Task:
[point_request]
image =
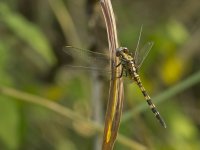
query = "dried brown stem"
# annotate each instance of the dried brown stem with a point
(115, 101)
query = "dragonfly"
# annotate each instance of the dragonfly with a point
(130, 63)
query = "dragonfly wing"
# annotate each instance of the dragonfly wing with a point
(141, 54)
(105, 70)
(83, 57)
(87, 68)
(88, 61)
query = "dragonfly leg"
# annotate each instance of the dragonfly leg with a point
(118, 64)
(126, 73)
(121, 74)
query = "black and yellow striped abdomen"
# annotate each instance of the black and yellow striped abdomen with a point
(148, 99)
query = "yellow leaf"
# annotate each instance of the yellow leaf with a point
(172, 70)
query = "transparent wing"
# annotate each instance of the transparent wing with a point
(141, 54)
(87, 61)
(84, 57)
(88, 68)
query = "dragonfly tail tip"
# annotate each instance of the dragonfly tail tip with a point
(163, 123)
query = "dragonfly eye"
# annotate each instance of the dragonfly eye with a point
(118, 51)
(125, 50)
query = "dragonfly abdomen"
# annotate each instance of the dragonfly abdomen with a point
(149, 101)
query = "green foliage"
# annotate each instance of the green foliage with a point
(9, 112)
(10, 123)
(177, 32)
(4, 59)
(27, 32)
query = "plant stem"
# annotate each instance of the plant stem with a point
(116, 93)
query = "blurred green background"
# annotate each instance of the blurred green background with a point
(33, 35)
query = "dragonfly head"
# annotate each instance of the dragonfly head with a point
(121, 50)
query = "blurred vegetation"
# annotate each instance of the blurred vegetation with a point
(33, 36)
